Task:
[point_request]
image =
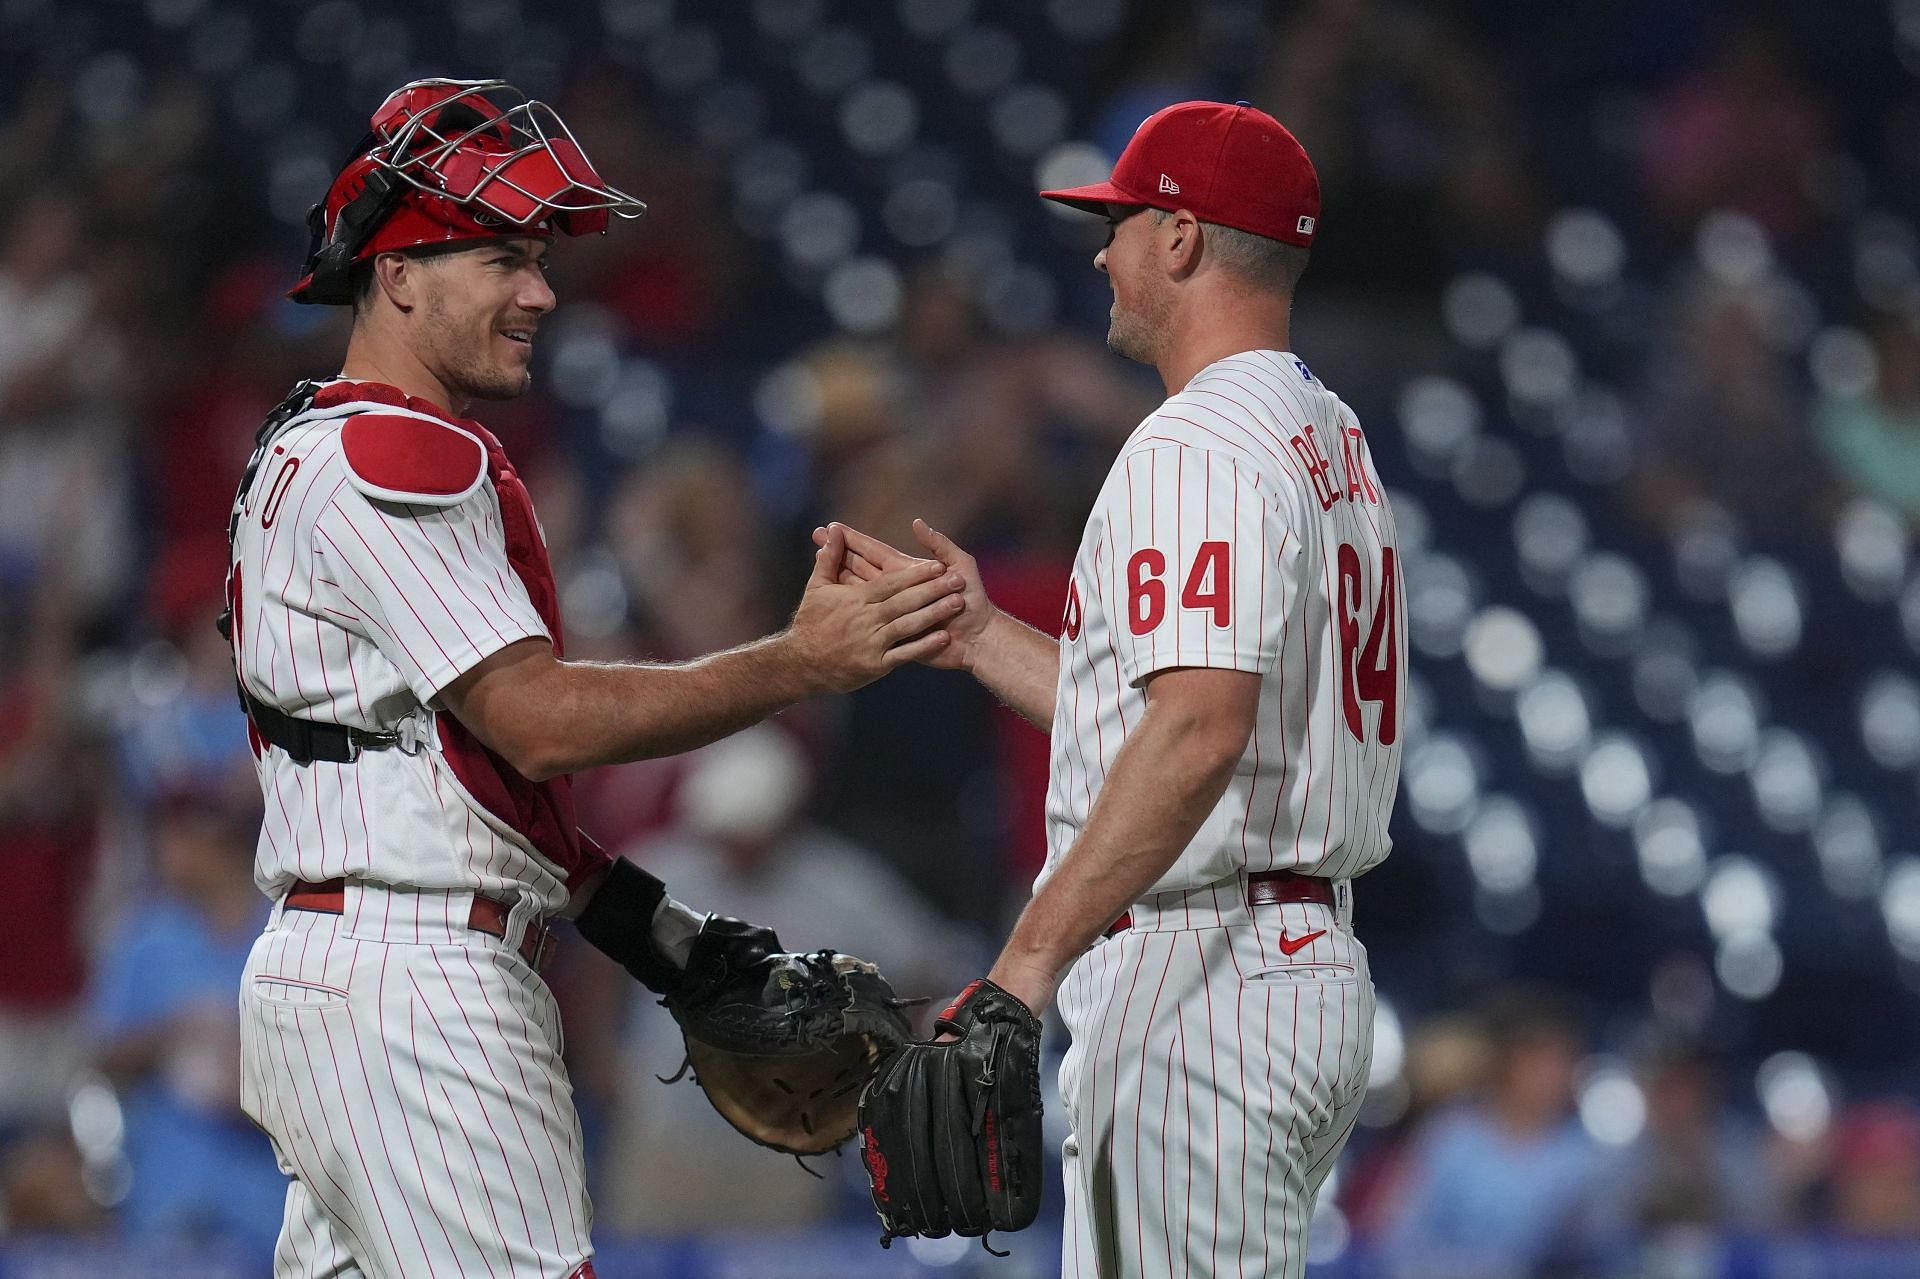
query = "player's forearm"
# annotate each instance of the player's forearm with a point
(611, 713)
(1020, 666)
(1163, 783)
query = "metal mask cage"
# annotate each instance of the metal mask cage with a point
(418, 153)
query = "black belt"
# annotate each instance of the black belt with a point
(308, 740)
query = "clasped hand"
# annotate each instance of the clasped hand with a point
(850, 630)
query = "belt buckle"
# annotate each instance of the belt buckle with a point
(542, 949)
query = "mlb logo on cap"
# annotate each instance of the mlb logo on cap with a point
(1260, 179)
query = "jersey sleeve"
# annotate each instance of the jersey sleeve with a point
(1198, 540)
(432, 585)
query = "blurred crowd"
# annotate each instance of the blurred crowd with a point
(1511, 1147)
(143, 253)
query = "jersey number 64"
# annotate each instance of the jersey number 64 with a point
(1369, 671)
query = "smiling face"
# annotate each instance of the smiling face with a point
(1142, 303)
(479, 309)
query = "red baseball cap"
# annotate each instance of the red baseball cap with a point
(1233, 165)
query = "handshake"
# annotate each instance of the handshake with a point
(869, 608)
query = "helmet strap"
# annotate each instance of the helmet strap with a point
(331, 263)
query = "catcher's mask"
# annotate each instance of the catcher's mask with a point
(450, 160)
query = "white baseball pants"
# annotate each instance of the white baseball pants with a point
(1211, 1082)
(407, 1068)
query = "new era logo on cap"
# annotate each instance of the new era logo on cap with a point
(1306, 225)
(1168, 186)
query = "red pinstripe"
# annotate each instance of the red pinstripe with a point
(353, 1130)
(258, 608)
(479, 1104)
(1175, 571)
(1166, 1120)
(1103, 1134)
(293, 658)
(1286, 744)
(1119, 585)
(494, 533)
(1096, 1131)
(400, 592)
(319, 828)
(453, 535)
(473, 1154)
(380, 1128)
(387, 527)
(366, 830)
(531, 1021)
(1213, 1080)
(486, 1056)
(1139, 1099)
(342, 1215)
(1317, 1170)
(1319, 1047)
(1266, 1182)
(1246, 815)
(1240, 1061)
(1277, 450)
(263, 1061)
(1333, 765)
(393, 1089)
(280, 799)
(1072, 669)
(526, 1090)
(1119, 682)
(370, 612)
(439, 1131)
(313, 1240)
(433, 543)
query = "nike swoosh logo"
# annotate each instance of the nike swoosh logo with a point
(1299, 943)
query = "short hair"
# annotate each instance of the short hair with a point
(360, 284)
(1257, 259)
(361, 277)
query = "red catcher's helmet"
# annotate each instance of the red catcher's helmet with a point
(447, 161)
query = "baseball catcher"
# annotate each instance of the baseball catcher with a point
(950, 1130)
(414, 721)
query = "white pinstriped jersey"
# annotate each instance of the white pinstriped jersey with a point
(353, 610)
(1243, 526)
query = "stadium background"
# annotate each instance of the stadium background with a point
(1628, 297)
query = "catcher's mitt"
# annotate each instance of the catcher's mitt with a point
(782, 1043)
(950, 1132)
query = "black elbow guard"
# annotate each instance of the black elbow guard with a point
(618, 922)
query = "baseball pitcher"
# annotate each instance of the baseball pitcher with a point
(1225, 704)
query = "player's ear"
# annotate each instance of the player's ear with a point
(397, 277)
(1180, 244)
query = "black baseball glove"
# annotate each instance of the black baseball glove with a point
(782, 1043)
(950, 1132)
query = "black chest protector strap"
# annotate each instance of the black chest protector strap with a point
(304, 740)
